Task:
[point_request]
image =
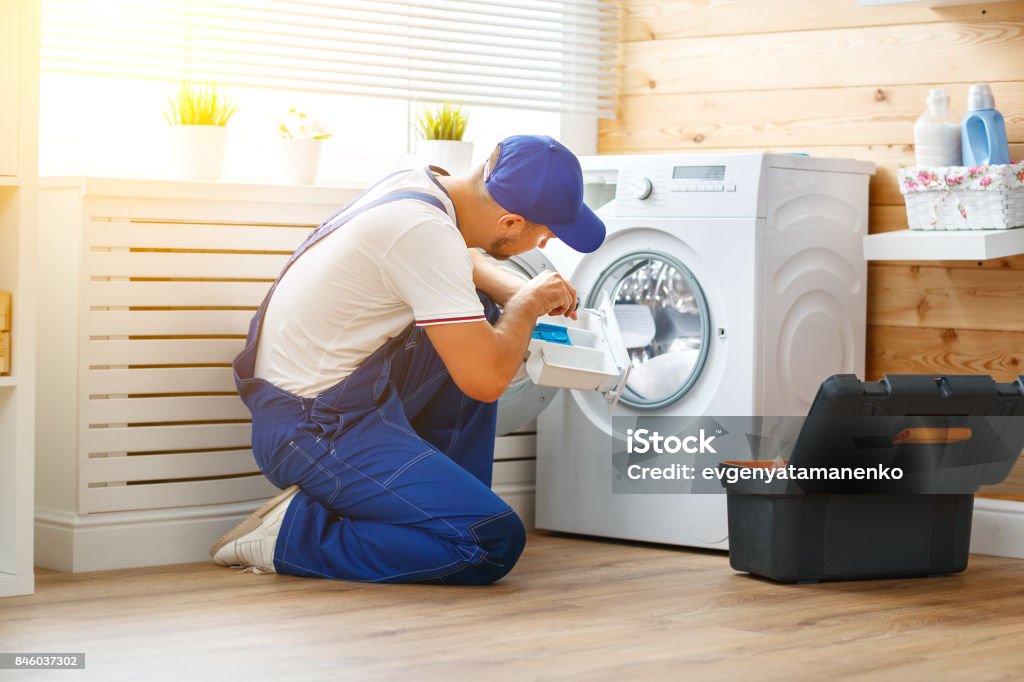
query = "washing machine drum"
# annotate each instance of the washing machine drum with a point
(664, 319)
(523, 400)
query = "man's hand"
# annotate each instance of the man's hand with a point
(549, 294)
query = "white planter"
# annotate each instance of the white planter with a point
(298, 160)
(198, 151)
(455, 157)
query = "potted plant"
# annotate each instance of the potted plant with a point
(301, 138)
(198, 116)
(441, 129)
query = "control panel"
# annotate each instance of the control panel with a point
(690, 185)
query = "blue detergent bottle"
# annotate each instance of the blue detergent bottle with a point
(983, 132)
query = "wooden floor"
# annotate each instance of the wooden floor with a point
(573, 609)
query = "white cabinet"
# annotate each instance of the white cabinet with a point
(19, 58)
(144, 447)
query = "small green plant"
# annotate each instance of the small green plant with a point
(194, 105)
(300, 125)
(445, 122)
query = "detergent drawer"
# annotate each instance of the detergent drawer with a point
(584, 354)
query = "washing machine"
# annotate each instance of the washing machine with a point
(738, 282)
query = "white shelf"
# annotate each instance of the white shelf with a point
(944, 245)
(8, 382)
(9, 181)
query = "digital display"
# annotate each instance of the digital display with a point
(698, 173)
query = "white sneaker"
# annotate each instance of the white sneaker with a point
(251, 543)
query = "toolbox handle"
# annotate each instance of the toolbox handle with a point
(932, 436)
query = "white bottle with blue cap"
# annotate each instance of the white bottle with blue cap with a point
(984, 131)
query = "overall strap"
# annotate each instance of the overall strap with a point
(323, 231)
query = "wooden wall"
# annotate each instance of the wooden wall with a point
(829, 77)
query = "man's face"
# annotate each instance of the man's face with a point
(530, 236)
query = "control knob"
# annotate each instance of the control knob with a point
(641, 188)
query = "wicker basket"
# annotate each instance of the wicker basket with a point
(964, 198)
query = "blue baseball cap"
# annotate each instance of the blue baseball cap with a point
(538, 178)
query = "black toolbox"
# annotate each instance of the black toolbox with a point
(949, 435)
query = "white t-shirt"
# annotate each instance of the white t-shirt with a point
(363, 284)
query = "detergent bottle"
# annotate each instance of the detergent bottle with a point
(937, 133)
(984, 132)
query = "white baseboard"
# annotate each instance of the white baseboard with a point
(98, 542)
(65, 541)
(998, 528)
(13, 585)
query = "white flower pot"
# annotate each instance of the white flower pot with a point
(454, 156)
(298, 160)
(198, 151)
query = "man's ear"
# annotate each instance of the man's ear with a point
(511, 224)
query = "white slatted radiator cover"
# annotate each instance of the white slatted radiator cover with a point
(168, 305)
(168, 296)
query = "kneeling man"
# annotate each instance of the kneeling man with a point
(374, 365)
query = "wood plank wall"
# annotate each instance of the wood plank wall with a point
(829, 77)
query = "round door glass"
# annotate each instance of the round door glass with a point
(665, 324)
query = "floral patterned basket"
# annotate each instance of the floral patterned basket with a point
(964, 198)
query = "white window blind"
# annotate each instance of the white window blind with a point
(536, 54)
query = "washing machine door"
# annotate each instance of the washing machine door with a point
(523, 400)
(665, 322)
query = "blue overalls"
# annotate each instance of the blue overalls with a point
(394, 462)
